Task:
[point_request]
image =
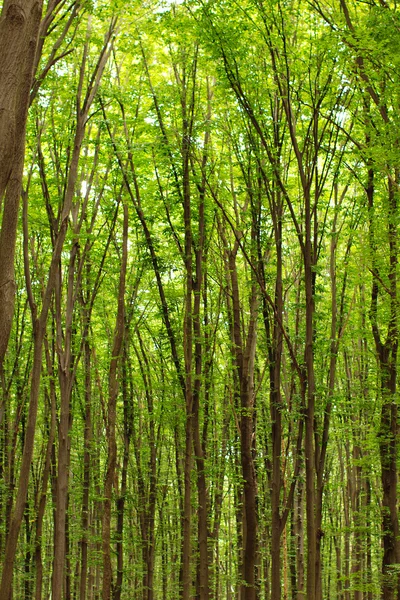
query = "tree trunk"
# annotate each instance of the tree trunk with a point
(19, 30)
(310, 410)
(66, 380)
(245, 355)
(45, 478)
(87, 442)
(387, 357)
(124, 474)
(112, 416)
(299, 529)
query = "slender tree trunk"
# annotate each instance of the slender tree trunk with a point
(198, 443)
(112, 416)
(65, 377)
(368, 537)
(245, 355)
(148, 511)
(45, 479)
(387, 357)
(310, 413)
(124, 474)
(357, 566)
(275, 356)
(299, 528)
(87, 443)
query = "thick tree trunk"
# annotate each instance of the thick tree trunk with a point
(19, 30)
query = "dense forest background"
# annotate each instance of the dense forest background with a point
(199, 300)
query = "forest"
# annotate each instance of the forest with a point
(199, 299)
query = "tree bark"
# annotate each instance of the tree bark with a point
(244, 359)
(45, 478)
(66, 380)
(112, 415)
(19, 30)
(87, 443)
